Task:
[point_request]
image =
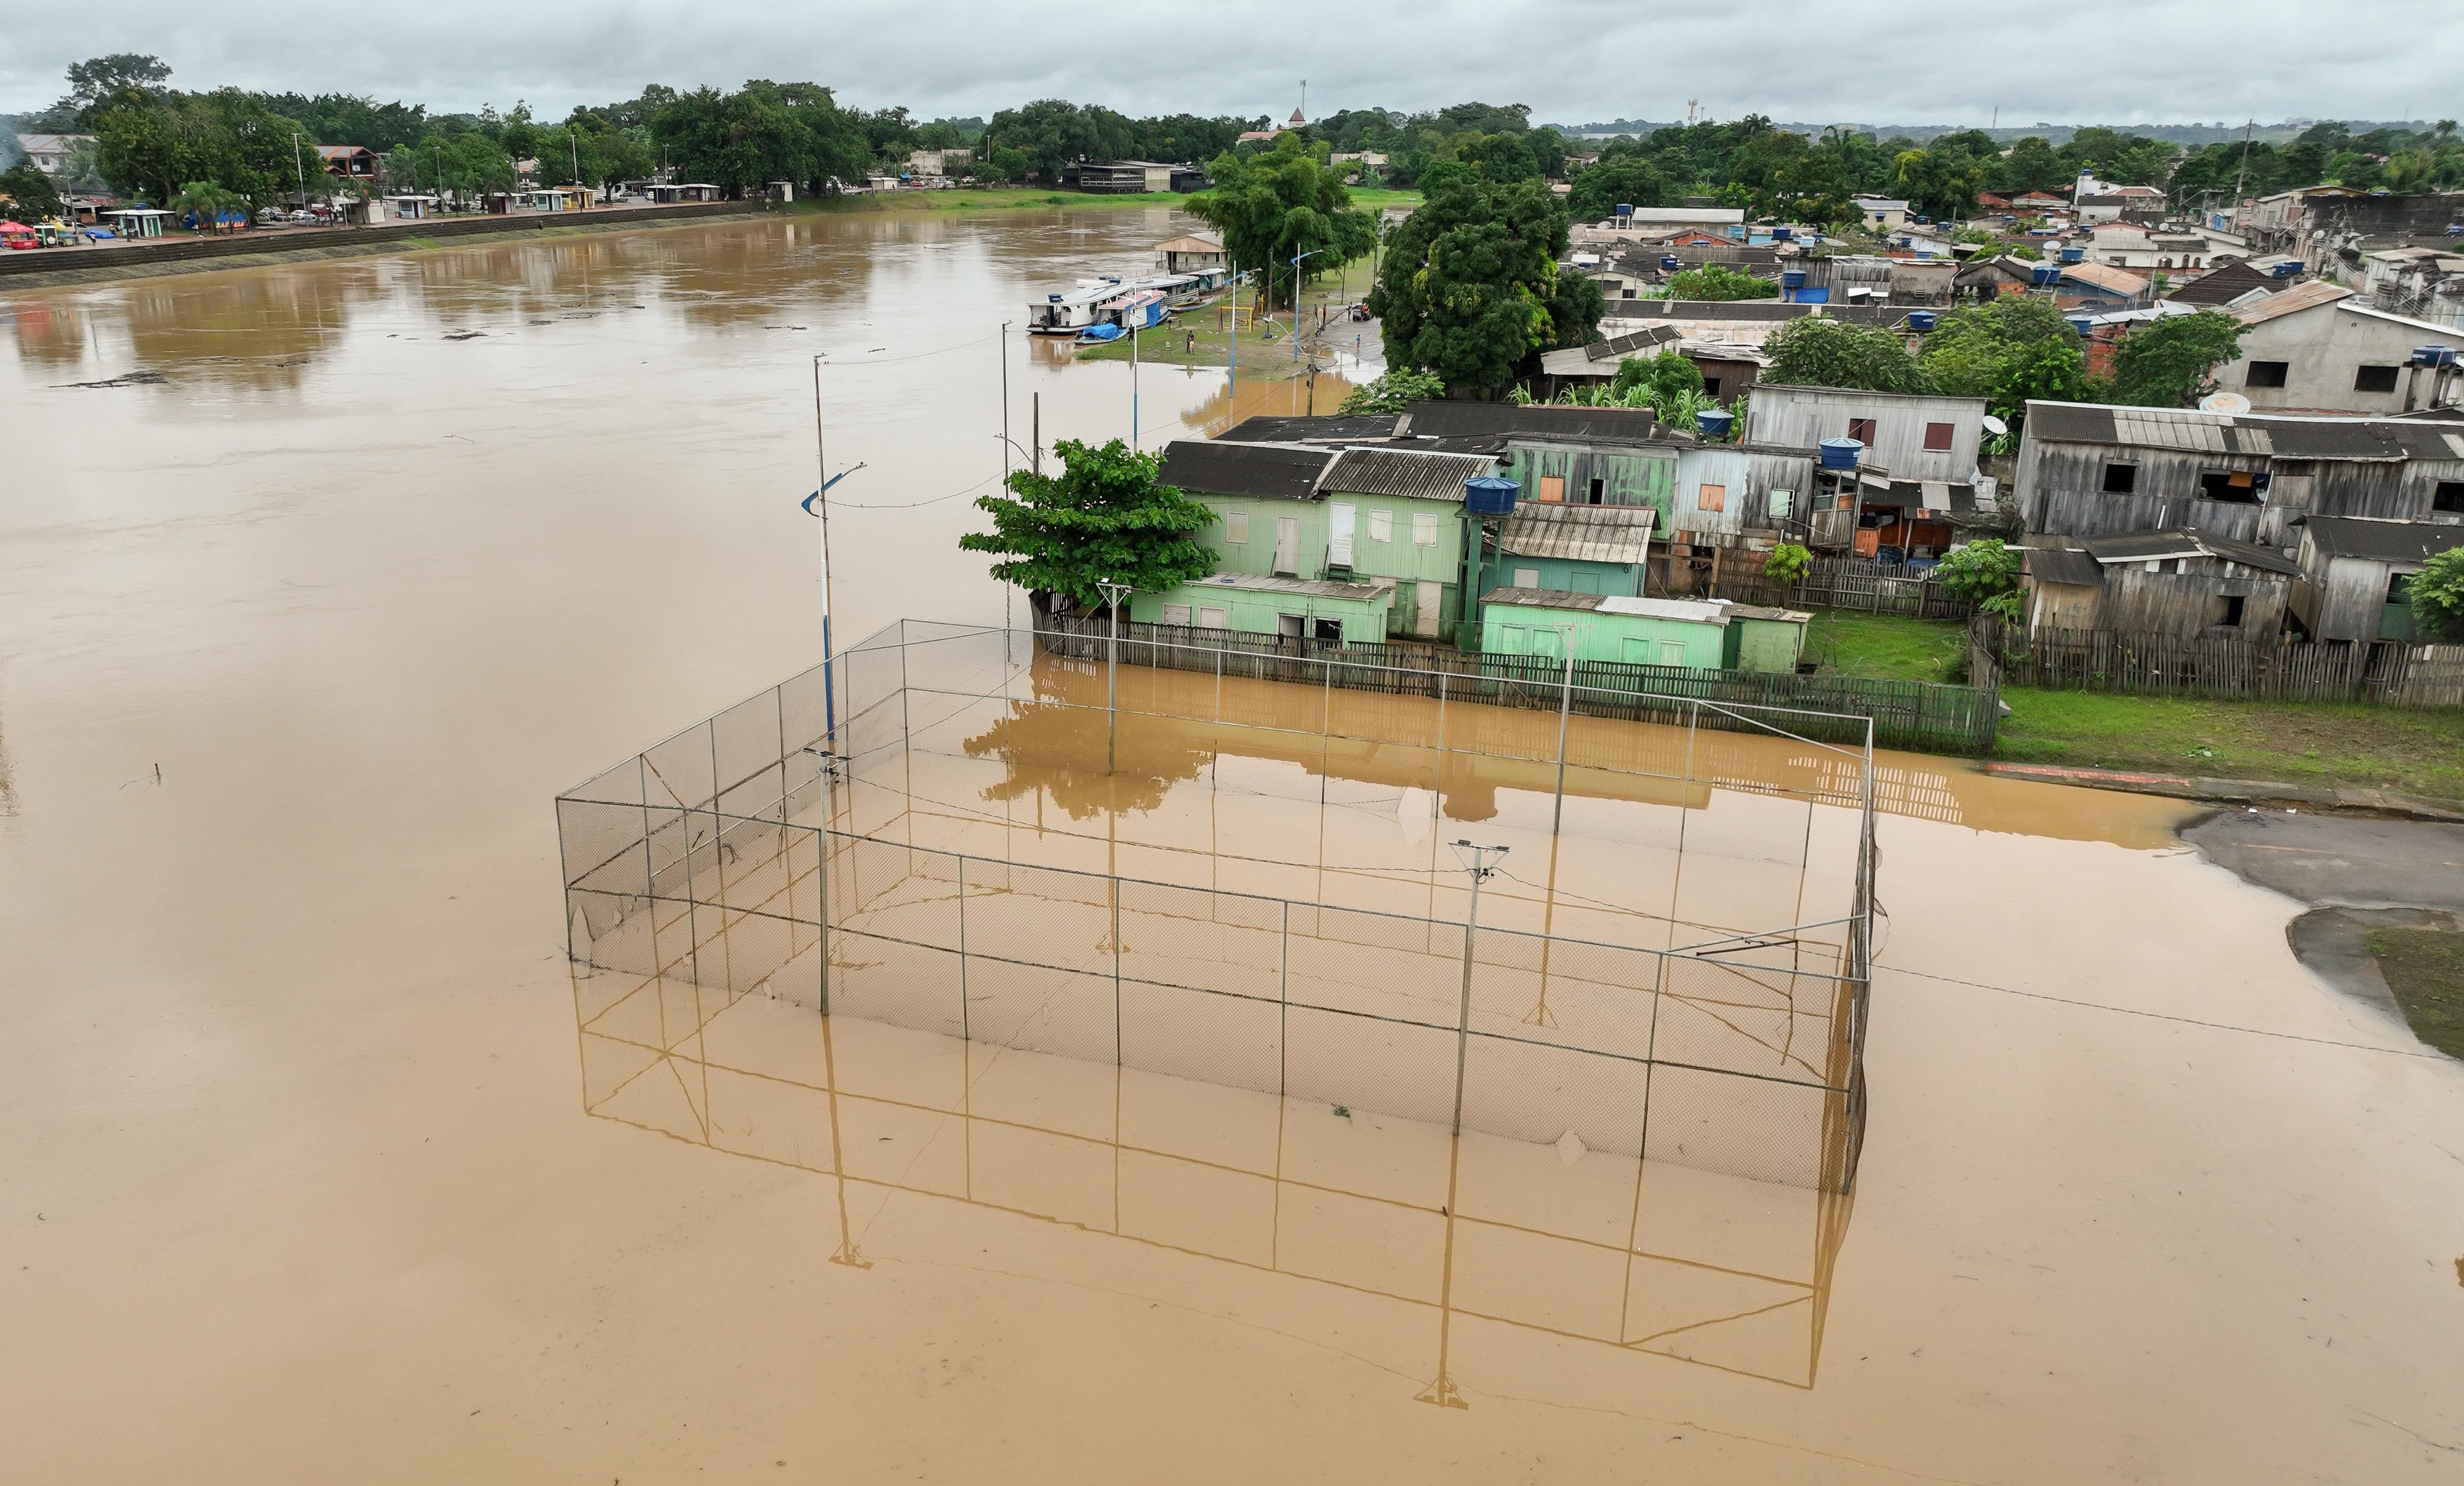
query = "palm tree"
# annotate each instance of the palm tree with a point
(208, 200)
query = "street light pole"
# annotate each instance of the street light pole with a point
(1565, 637)
(1477, 864)
(1112, 591)
(1296, 298)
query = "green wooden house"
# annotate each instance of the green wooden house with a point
(1703, 634)
(1573, 549)
(1319, 609)
(1353, 515)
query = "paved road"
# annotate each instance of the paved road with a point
(2340, 862)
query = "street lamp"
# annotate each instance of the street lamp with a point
(1112, 591)
(1296, 298)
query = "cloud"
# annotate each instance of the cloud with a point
(1911, 62)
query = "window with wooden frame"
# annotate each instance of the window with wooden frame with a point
(1711, 497)
(1553, 488)
(1861, 429)
(1937, 436)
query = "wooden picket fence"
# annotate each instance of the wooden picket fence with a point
(2384, 672)
(1905, 714)
(1844, 583)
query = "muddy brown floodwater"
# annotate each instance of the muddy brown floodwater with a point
(295, 1177)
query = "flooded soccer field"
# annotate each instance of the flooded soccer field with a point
(322, 1162)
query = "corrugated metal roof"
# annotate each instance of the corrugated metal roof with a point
(1404, 474)
(2064, 564)
(1578, 533)
(2356, 439)
(2140, 546)
(2105, 277)
(1700, 611)
(1322, 429)
(2383, 540)
(1315, 587)
(1454, 419)
(1274, 472)
(2292, 300)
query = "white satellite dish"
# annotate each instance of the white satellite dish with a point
(2224, 402)
(1996, 426)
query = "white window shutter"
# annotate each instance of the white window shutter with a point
(1381, 525)
(1527, 577)
(1424, 528)
(1340, 520)
(1236, 527)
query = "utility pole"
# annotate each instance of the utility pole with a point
(1479, 865)
(573, 145)
(1566, 634)
(1133, 388)
(300, 171)
(1112, 591)
(2243, 172)
(1006, 446)
(1296, 299)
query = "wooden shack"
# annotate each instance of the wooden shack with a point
(2181, 582)
(1324, 611)
(2356, 568)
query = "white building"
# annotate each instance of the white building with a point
(1881, 214)
(2319, 349)
(48, 152)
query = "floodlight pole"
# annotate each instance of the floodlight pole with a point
(1479, 868)
(1566, 634)
(1112, 591)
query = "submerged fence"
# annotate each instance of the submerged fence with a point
(2384, 672)
(1916, 715)
(723, 859)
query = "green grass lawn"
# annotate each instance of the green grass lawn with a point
(2424, 969)
(2301, 743)
(1886, 647)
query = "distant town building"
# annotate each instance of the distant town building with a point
(48, 152)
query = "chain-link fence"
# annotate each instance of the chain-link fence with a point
(793, 845)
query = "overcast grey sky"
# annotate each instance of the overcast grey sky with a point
(1915, 61)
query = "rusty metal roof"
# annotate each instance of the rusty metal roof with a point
(1578, 533)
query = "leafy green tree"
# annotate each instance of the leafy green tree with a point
(1501, 157)
(1618, 180)
(765, 131)
(2411, 171)
(1469, 288)
(1719, 281)
(1392, 391)
(1273, 207)
(2031, 166)
(2436, 593)
(1103, 517)
(1979, 571)
(102, 79)
(2171, 362)
(30, 192)
(2007, 350)
(1661, 383)
(1819, 351)
(1054, 133)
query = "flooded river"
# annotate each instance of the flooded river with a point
(346, 568)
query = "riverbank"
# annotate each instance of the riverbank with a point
(200, 253)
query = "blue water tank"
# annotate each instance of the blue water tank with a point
(2081, 324)
(1671, 262)
(2046, 274)
(1782, 234)
(1625, 209)
(1791, 278)
(1841, 454)
(1921, 320)
(1052, 298)
(1488, 494)
(2074, 254)
(1713, 423)
(2434, 355)
(2286, 269)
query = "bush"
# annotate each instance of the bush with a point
(1788, 562)
(1393, 391)
(1980, 571)
(2437, 595)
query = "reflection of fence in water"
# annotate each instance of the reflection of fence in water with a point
(1704, 1268)
(707, 860)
